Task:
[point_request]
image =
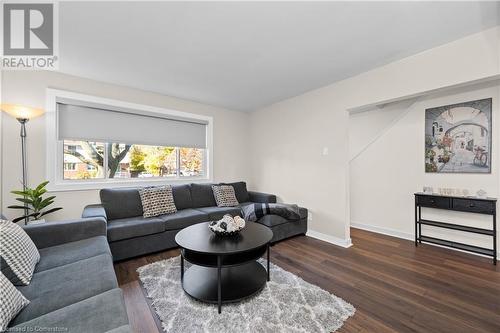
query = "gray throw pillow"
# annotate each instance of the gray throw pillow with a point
(18, 251)
(157, 201)
(225, 196)
(11, 302)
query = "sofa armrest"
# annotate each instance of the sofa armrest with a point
(55, 233)
(96, 210)
(262, 197)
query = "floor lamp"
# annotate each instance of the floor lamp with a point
(23, 114)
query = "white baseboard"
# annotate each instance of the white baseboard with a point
(384, 231)
(404, 235)
(330, 239)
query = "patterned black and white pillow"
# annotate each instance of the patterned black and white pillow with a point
(11, 302)
(225, 196)
(157, 200)
(18, 251)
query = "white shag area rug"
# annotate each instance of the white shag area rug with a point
(286, 304)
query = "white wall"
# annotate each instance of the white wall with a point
(288, 137)
(278, 148)
(393, 167)
(28, 88)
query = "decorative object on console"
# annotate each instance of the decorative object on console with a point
(452, 192)
(458, 138)
(225, 196)
(34, 203)
(157, 200)
(227, 226)
(19, 252)
(428, 189)
(23, 114)
(481, 194)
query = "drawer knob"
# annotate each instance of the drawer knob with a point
(471, 205)
(433, 201)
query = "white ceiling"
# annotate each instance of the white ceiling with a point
(244, 55)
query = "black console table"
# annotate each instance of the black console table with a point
(486, 206)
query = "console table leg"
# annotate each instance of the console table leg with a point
(268, 260)
(416, 225)
(495, 238)
(419, 225)
(219, 284)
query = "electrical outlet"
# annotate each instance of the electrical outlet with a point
(309, 216)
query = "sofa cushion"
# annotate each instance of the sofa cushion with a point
(183, 218)
(100, 313)
(121, 202)
(240, 189)
(68, 253)
(202, 195)
(133, 227)
(182, 196)
(58, 287)
(216, 213)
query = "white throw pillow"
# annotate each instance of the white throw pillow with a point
(225, 196)
(157, 201)
(18, 251)
(11, 302)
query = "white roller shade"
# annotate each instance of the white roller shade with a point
(96, 124)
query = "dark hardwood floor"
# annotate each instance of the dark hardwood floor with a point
(394, 286)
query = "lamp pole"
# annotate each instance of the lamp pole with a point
(23, 122)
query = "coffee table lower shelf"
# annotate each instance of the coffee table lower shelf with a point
(237, 282)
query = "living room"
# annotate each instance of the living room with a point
(249, 166)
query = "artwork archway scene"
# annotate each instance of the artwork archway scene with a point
(458, 138)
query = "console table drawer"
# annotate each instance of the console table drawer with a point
(474, 206)
(433, 202)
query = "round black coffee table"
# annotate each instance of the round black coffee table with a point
(224, 268)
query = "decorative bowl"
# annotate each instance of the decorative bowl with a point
(227, 226)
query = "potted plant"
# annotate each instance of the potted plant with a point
(35, 203)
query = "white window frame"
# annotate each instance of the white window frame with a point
(55, 153)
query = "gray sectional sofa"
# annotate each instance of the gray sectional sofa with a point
(131, 235)
(74, 286)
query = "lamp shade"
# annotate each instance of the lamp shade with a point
(21, 111)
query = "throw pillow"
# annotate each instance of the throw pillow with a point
(11, 302)
(18, 251)
(157, 201)
(225, 196)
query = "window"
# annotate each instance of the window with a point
(124, 161)
(83, 160)
(69, 166)
(99, 141)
